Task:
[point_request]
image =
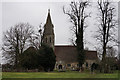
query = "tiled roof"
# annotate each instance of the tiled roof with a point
(68, 54)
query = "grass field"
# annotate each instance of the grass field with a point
(57, 75)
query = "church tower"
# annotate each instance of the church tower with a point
(48, 34)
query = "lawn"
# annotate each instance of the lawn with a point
(72, 74)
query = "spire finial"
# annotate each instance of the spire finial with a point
(48, 10)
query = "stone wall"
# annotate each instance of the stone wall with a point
(73, 66)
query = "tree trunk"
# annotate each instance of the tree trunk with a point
(104, 58)
(80, 46)
(17, 52)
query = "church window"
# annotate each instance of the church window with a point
(46, 40)
(50, 40)
(86, 64)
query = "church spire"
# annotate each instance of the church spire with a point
(49, 18)
(48, 10)
(48, 34)
(48, 27)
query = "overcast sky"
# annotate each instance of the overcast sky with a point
(35, 12)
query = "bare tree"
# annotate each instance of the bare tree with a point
(15, 40)
(107, 26)
(36, 39)
(78, 16)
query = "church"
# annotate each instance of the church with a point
(66, 56)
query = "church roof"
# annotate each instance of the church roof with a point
(68, 54)
(48, 27)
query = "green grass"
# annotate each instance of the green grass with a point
(71, 74)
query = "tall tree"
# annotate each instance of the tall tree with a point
(15, 40)
(78, 16)
(107, 26)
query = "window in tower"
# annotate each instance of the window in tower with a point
(50, 40)
(46, 40)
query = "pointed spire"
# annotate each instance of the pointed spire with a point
(48, 34)
(48, 25)
(49, 18)
(48, 10)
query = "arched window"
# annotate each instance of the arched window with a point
(87, 64)
(46, 40)
(50, 40)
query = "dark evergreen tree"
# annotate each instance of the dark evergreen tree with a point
(47, 58)
(28, 60)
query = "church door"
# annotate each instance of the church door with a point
(60, 66)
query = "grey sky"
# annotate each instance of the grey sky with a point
(36, 13)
